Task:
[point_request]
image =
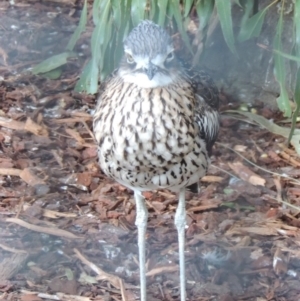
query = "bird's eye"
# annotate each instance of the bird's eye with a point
(130, 59)
(170, 56)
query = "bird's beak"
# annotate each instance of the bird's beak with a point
(151, 70)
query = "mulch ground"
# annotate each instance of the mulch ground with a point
(67, 232)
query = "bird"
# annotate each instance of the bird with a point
(155, 123)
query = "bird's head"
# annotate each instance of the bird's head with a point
(149, 60)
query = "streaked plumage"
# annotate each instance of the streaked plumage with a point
(155, 123)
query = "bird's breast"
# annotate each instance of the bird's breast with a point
(148, 138)
(152, 126)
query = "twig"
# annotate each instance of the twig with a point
(12, 250)
(117, 282)
(51, 231)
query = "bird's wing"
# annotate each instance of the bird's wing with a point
(207, 105)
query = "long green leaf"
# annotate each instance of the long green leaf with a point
(174, 11)
(104, 64)
(279, 69)
(162, 5)
(152, 15)
(252, 27)
(97, 8)
(138, 11)
(117, 12)
(247, 11)
(297, 23)
(287, 56)
(53, 74)
(87, 78)
(204, 10)
(224, 13)
(297, 111)
(79, 29)
(187, 7)
(53, 62)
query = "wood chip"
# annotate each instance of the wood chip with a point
(74, 134)
(10, 171)
(12, 124)
(246, 174)
(28, 176)
(212, 179)
(36, 129)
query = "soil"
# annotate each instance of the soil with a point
(67, 231)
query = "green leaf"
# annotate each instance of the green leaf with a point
(97, 9)
(224, 13)
(297, 111)
(287, 56)
(283, 101)
(117, 12)
(279, 69)
(104, 63)
(88, 81)
(297, 23)
(53, 62)
(152, 15)
(187, 7)
(99, 41)
(204, 10)
(162, 5)
(138, 11)
(237, 2)
(248, 10)
(174, 11)
(252, 27)
(79, 29)
(53, 74)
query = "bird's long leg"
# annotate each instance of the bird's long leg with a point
(180, 225)
(141, 223)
